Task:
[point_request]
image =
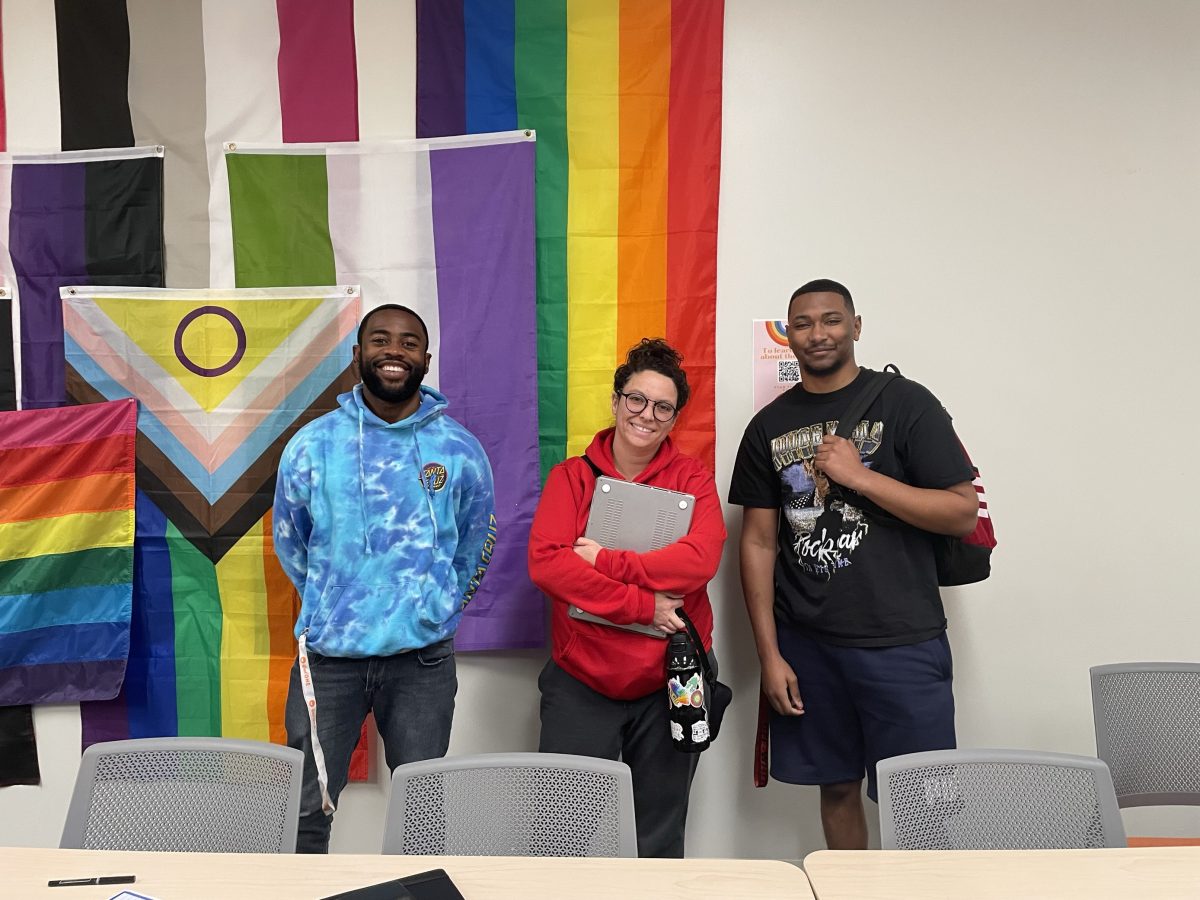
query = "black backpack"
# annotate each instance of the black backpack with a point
(964, 560)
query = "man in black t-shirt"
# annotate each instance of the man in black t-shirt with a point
(841, 588)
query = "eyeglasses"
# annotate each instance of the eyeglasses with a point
(635, 403)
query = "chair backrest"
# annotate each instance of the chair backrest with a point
(186, 794)
(1148, 731)
(512, 804)
(996, 800)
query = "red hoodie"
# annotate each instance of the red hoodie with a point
(620, 664)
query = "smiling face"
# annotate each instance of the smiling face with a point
(392, 360)
(821, 332)
(640, 434)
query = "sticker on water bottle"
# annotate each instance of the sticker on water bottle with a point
(690, 693)
(699, 731)
(676, 731)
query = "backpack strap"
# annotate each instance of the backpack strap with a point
(846, 425)
(863, 400)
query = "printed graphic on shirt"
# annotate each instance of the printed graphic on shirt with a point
(433, 476)
(824, 534)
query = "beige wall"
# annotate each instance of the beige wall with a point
(1011, 191)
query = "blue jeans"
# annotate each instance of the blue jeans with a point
(412, 696)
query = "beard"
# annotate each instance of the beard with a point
(374, 384)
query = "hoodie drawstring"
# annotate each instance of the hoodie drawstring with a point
(425, 486)
(362, 486)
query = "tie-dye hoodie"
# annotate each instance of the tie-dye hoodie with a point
(385, 529)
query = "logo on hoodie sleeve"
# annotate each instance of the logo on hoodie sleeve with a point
(485, 560)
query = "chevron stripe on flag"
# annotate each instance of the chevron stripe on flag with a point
(224, 379)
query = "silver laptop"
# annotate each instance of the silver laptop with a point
(628, 516)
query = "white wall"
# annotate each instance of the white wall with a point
(1011, 192)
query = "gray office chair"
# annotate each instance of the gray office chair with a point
(1147, 717)
(186, 794)
(1148, 731)
(996, 800)
(512, 804)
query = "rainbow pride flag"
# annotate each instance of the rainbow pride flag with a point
(66, 552)
(445, 227)
(625, 97)
(224, 379)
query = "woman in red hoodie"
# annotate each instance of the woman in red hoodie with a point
(603, 690)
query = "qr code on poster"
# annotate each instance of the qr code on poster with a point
(788, 372)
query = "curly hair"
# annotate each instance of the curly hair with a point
(654, 355)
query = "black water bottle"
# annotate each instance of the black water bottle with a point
(687, 704)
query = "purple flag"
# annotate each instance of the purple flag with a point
(445, 227)
(483, 235)
(85, 217)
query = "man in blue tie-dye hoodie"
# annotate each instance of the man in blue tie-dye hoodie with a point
(384, 521)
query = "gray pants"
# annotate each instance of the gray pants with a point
(576, 719)
(412, 696)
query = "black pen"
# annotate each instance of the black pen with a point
(102, 879)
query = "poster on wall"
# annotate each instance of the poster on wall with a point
(775, 369)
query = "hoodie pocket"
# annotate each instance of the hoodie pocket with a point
(439, 594)
(326, 604)
(357, 605)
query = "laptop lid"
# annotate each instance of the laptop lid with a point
(629, 516)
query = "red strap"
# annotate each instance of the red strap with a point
(762, 744)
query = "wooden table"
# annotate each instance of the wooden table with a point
(205, 876)
(1156, 873)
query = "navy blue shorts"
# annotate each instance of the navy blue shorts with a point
(861, 705)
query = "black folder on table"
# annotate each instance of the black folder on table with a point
(432, 885)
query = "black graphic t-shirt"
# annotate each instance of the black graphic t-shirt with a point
(844, 574)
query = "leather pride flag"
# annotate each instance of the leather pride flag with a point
(224, 379)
